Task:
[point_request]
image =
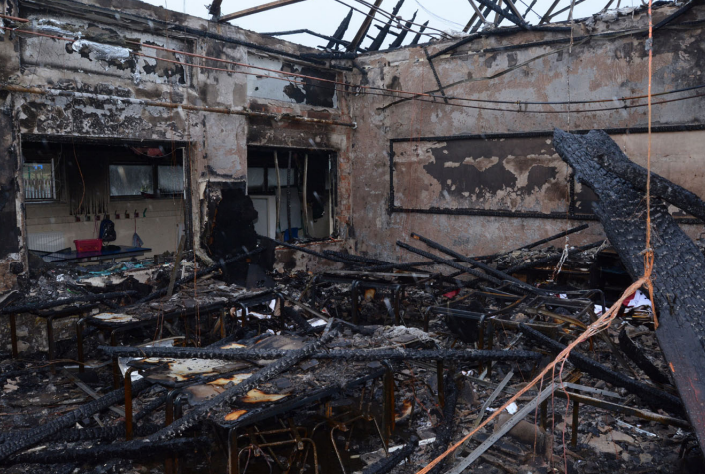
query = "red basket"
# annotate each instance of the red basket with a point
(88, 245)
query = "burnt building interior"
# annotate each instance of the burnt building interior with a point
(409, 249)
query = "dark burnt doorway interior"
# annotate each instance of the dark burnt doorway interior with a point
(70, 187)
(309, 198)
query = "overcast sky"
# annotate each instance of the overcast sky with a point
(324, 16)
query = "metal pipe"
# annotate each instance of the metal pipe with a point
(289, 184)
(305, 224)
(13, 336)
(278, 195)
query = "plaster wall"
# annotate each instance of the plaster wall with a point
(107, 73)
(430, 172)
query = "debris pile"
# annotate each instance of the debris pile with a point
(376, 366)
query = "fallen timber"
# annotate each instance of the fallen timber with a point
(19, 440)
(678, 269)
(342, 354)
(634, 353)
(650, 395)
(488, 269)
(552, 258)
(451, 394)
(266, 373)
(388, 463)
(99, 453)
(64, 301)
(661, 188)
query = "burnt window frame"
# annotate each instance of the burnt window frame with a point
(154, 163)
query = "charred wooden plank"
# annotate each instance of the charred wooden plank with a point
(387, 464)
(650, 395)
(16, 441)
(678, 270)
(639, 358)
(98, 453)
(64, 301)
(200, 412)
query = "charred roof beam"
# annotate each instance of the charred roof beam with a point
(417, 37)
(258, 9)
(340, 32)
(363, 30)
(508, 15)
(403, 33)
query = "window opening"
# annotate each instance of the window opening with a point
(311, 216)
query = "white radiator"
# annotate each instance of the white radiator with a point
(46, 241)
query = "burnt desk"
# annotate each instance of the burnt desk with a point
(72, 256)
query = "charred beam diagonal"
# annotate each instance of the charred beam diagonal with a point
(343, 354)
(497, 273)
(444, 437)
(308, 32)
(306, 250)
(505, 14)
(378, 41)
(450, 263)
(614, 160)
(535, 244)
(263, 375)
(110, 433)
(354, 258)
(681, 11)
(361, 33)
(639, 358)
(651, 396)
(387, 464)
(60, 302)
(340, 31)
(553, 258)
(571, 231)
(258, 9)
(256, 416)
(397, 266)
(434, 73)
(24, 439)
(401, 36)
(678, 269)
(128, 450)
(200, 273)
(416, 38)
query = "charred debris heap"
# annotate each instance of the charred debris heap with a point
(376, 366)
(225, 356)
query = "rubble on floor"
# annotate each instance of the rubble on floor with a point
(366, 368)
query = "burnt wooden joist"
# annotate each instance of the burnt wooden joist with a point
(679, 267)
